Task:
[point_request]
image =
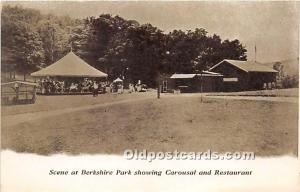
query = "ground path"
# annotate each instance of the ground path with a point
(15, 119)
(238, 97)
(110, 123)
(258, 98)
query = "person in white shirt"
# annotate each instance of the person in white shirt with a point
(95, 89)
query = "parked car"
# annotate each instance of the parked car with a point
(143, 88)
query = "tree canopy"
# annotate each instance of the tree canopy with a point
(121, 48)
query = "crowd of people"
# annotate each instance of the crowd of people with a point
(51, 86)
(54, 86)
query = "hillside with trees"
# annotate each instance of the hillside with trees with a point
(119, 47)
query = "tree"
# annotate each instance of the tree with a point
(233, 50)
(24, 44)
(20, 40)
(55, 35)
(144, 52)
(31, 40)
(122, 48)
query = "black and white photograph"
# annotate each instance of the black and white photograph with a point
(150, 79)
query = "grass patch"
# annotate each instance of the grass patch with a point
(166, 124)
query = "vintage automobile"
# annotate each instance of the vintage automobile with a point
(141, 87)
(144, 88)
(18, 92)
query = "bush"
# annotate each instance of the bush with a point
(290, 81)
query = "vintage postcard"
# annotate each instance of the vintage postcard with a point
(149, 96)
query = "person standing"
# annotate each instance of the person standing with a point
(16, 85)
(131, 88)
(95, 89)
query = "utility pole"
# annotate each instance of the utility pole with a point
(158, 86)
(255, 52)
(158, 91)
(70, 37)
(201, 85)
(52, 47)
(201, 89)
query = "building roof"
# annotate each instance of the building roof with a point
(209, 73)
(190, 76)
(182, 76)
(247, 66)
(69, 66)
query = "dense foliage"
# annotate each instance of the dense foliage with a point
(119, 47)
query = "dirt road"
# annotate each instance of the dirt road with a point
(258, 98)
(174, 122)
(15, 119)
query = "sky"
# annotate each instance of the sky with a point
(272, 26)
